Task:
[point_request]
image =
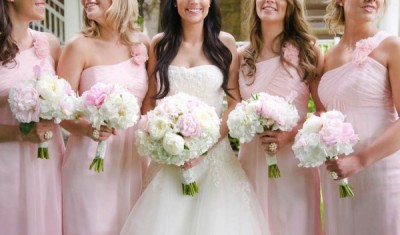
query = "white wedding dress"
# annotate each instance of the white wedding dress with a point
(225, 204)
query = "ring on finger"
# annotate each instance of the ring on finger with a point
(96, 134)
(48, 135)
(333, 175)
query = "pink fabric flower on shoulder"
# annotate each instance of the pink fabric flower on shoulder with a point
(139, 53)
(291, 53)
(41, 46)
(363, 48)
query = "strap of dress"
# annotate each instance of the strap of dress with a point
(365, 46)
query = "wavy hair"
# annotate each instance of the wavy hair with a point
(121, 15)
(167, 48)
(8, 47)
(334, 17)
(295, 31)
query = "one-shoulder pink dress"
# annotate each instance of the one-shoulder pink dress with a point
(361, 90)
(99, 203)
(30, 188)
(291, 203)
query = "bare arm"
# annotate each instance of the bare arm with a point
(149, 103)
(386, 143)
(233, 84)
(72, 62)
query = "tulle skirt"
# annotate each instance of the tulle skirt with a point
(225, 204)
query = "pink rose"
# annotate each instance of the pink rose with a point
(348, 135)
(291, 53)
(139, 53)
(41, 46)
(189, 125)
(363, 48)
(96, 95)
(25, 103)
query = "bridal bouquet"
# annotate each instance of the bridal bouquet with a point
(323, 138)
(179, 129)
(259, 113)
(49, 98)
(108, 105)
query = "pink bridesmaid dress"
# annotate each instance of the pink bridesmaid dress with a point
(99, 203)
(290, 203)
(361, 90)
(30, 188)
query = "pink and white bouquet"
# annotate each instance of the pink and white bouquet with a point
(259, 113)
(325, 137)
(108, 105)
(49, 98)
(179, 129)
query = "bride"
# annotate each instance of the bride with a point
(195, 57)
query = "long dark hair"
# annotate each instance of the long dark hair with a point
(8, 47)
(167, 48)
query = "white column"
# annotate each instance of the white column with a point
(390, 23)
(73, 18)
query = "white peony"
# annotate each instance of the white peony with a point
(173, 144)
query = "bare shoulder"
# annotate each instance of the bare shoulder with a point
(227, 39)
(391, 45)
(157, 38)
(78, 43)
(53, 40)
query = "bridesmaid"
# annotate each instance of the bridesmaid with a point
(362, 80)
(109, 49)
(30, 195)
(281, 59)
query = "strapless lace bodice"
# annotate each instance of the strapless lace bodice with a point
(202, 81)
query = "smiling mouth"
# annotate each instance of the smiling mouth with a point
(194, 10)
(269, 8)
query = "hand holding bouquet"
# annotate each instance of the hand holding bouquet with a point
(48, 98)
(259, 113)
(108, 105)
(179, 129)
(323, 138)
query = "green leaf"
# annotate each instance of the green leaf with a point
(25, 128)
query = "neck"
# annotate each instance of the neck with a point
(357, 32)
(193, 33)
(269, 32)
(108, 34)
(20, 31)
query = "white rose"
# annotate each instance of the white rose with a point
(312, 125)
(173, 144)
(50, 88)
(158, 127)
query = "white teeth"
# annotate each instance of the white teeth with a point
(194, 10)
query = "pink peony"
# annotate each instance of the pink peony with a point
(41, 46)
(363, 48)
(96, 95)
(139, 53)
(348, 135)
(25, 103)
(189, 126)
(291, 53)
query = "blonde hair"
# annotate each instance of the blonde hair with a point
(295, 31)
(122, 16)
(334, 17)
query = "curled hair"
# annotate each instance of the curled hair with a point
(8, 47)
(167, 48)
(121, 15)
(335, 19)
(295, 31)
